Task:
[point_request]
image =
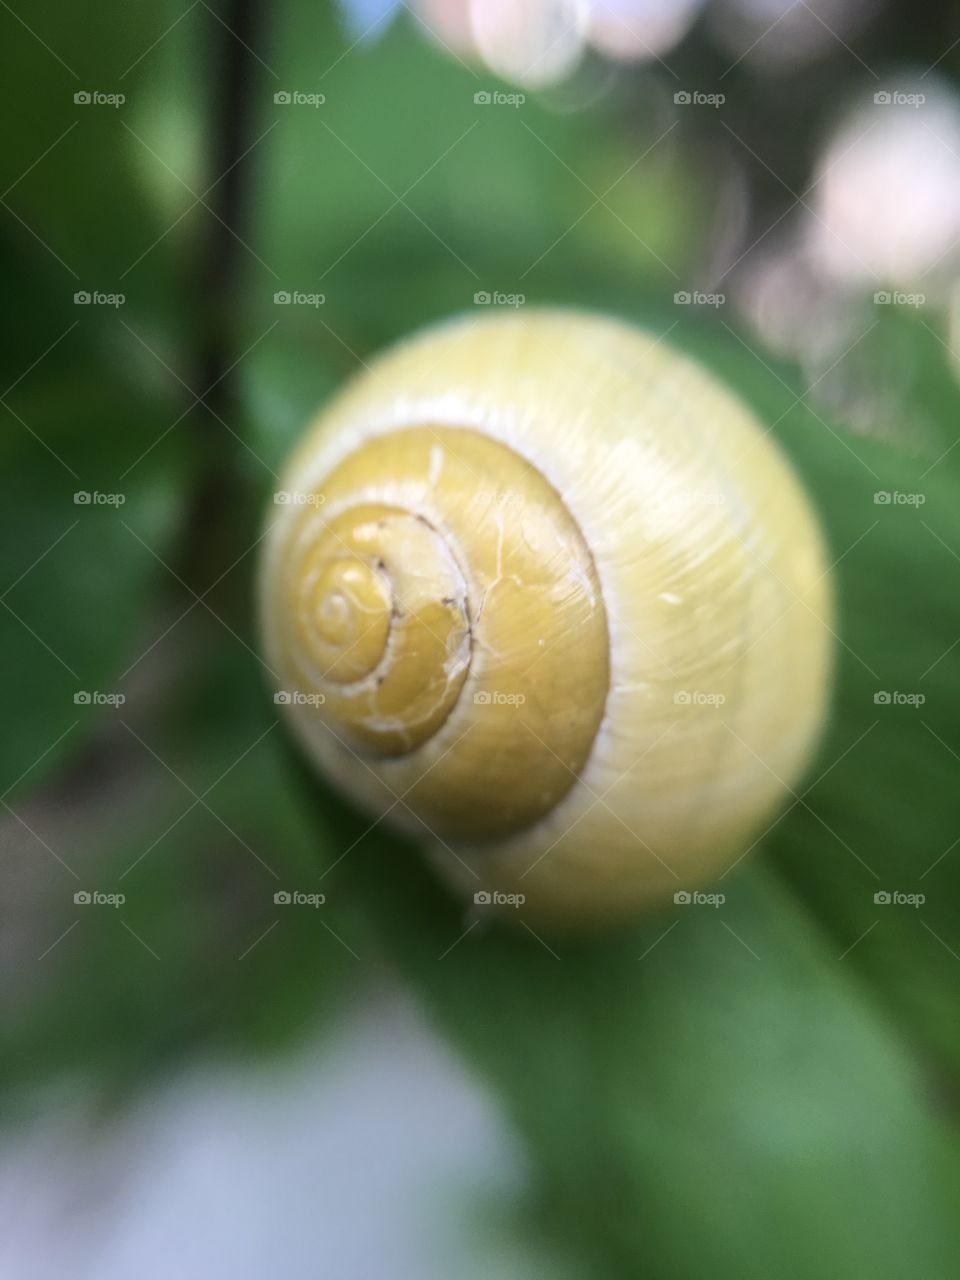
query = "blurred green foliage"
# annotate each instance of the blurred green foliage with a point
(770, 1093)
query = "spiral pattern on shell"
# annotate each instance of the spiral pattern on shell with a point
(546, 595)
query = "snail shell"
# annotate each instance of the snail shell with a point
(547, 596)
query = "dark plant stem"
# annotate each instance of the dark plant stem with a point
(210, 530)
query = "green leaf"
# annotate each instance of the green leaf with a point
(878, 813)
(706, 1094)
(737, 1092)
(198, 953)
(398, 198)
(75, 572)
(95, 179)
(98, 224)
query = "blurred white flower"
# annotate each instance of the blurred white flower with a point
(537, 42)
(887, 194)
(797, 312)
(635, 30)
(533, 43)
(448, 22)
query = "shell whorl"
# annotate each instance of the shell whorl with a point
(547, 595)
(436, 581)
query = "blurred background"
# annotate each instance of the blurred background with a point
(212, 214)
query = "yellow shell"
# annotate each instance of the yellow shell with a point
(540, 591)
